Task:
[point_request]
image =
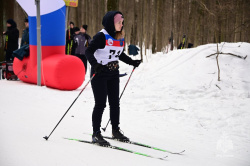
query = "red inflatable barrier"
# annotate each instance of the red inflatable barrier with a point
(60, 71)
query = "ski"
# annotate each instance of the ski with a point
(117, 148)
(146, 146)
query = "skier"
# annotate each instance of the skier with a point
(103, 53)
(81, 42)
(11, 39)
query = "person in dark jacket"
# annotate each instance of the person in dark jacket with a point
(25, 36)
(103, 53)
(69, 38)
(11, 39)
(81, 42)
(76, 32)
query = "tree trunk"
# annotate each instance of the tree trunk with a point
(150, 22)
(159, 25)
(112, 5)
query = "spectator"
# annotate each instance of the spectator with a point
(81, 42)
(25, 36)
(76, 32)
(69, 38)
(11, 39)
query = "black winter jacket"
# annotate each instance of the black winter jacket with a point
(25, 37)
(11, 39)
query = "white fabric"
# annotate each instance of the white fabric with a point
(46, 6)
(109, 53)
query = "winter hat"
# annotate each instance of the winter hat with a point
(76, 29)
(85, 27)
(11, 22)
(118, 17)
(26, 20)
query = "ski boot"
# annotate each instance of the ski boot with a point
(97, 138)
(117, 135)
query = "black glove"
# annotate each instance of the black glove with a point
(98, 68)
(136, 63)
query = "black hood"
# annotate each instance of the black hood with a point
(12, 23)
(108, 22)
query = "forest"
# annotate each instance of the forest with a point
(149, 23)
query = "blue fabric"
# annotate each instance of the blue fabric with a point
(108, 36)
(21, 52)
(52, 28)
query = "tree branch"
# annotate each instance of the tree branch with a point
(205, 7)
(228, 54)
(217, 59)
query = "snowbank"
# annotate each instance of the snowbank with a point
(173, 101)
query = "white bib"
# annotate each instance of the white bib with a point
(111, 51)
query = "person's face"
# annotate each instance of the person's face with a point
(8, 25)
(26, 24)
(77, 32)
(82, 30)
(71, 26)
(118, 25)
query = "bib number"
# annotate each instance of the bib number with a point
(113, 53)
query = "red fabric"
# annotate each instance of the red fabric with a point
(115, 43)
(59, 71)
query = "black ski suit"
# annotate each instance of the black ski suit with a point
(106, 83)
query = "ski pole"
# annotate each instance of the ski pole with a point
(47, 137)
(104, 129)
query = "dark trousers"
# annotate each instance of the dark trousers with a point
(106, 84)
(8, 56)
(84, 60)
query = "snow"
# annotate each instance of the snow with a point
(173, 101)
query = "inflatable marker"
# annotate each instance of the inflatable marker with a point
(59, 71)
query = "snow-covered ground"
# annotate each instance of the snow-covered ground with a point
(173, 101)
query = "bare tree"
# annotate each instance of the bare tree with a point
(150, 22)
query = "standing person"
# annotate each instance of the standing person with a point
(81, 42)
(69, 38)
(103, 53)
(11, 39)
(76, 32)
(25, 36)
